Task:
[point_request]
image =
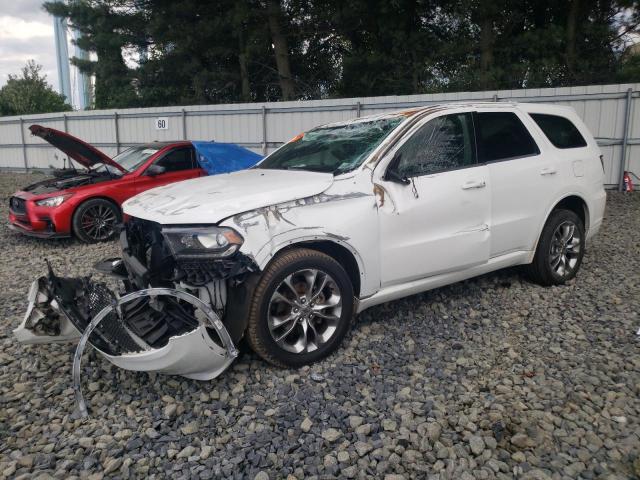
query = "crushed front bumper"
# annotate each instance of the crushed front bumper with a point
(153, 330)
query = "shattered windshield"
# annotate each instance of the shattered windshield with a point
(334, 148)
(132, 158)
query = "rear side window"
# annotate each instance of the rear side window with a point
(559, 130)
(501, 136)
(177, 160)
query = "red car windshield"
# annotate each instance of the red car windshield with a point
(132, 158)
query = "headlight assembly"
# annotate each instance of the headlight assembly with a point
(202, 242)
(52, 201)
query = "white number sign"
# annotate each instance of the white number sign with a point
(162, 123)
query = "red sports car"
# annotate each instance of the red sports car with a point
(86, 202)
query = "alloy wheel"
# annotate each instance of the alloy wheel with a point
(304, 311)
(564, 251)
(99, 222)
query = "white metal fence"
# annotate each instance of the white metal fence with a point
(610, 111)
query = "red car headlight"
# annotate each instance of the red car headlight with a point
(53, 201)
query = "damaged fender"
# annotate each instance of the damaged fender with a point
(267, 230)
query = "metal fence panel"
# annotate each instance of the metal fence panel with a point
(262, 127)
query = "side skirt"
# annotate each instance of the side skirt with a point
(395, 292)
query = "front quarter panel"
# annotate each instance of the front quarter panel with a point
(344, 214)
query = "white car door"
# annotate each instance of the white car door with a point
(434, 213)
(524, 178)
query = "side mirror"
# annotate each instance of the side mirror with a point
(392, 174)
(153, 170)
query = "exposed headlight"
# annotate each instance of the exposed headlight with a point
(202, 242)
(52, 201)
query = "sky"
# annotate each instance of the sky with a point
(26, 32)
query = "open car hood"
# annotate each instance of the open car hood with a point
(83, 153)
(211, 199)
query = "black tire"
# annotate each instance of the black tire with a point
(292, 263)
(98, 208)
(550, 247)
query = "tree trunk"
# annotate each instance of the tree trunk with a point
(244, 68)
(486, 52)
(281, 50)
(572, 23)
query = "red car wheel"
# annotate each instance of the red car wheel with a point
(95, 220)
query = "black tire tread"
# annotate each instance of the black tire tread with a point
(538, 271)
(273, 269)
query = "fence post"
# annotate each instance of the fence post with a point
(115, 121)
(625, 139)
(184, 124)
(64, 119)
(358, 107)
(495, 97)
(264, 130)
(24, 146)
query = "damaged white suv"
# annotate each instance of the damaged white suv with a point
(339, 219)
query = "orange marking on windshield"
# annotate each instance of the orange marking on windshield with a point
(296, 138)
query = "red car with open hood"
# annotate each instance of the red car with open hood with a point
(85, 202)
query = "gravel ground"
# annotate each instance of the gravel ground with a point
(489, 378)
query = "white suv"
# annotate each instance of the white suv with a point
(347, 216)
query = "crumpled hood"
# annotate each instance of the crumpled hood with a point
(212, 199)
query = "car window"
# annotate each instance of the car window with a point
(501, 135)
(444, 143)
(134, 157)
(176, 160)
(559, 130)
(336, 148)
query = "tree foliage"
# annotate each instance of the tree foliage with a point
(30, 93)
(196, 52)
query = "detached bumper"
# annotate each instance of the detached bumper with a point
(138, 337)
(193, 355)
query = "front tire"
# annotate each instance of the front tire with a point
(560, 249)
(95, 220)
(301, 309)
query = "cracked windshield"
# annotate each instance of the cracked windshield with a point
(336, 149)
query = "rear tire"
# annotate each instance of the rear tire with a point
(301, 309)
(95, 220)
(560, 249)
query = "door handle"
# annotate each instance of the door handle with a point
(474, 184)
(548, 171)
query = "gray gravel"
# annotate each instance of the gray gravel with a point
(489, 378)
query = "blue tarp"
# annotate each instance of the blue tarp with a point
(216, 157)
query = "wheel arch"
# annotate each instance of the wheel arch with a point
(345, 256)
(577, 205)
(573, 202)
(97, 197)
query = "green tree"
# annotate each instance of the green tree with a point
(206, 51)
(30, 93)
